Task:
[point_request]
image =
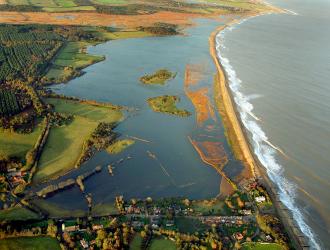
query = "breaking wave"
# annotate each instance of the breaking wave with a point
(263, 148)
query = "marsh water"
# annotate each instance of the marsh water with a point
(279, 67)
(162, 162)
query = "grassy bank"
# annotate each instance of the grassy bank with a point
(71, 58)
(101, 209)
(56, 211)
(119, 146)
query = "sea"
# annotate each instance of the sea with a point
(278, 67)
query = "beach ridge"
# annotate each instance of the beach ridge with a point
(228, 105)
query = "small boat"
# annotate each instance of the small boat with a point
(110, 169)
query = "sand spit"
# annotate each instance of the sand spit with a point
(229, 109)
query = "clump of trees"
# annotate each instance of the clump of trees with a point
(117, 238)
(100, 139)
(161, 29)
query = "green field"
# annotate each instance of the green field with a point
(17, 213)
(53, 5)
(261, 246)
(136, 242)
(206, 207)
(125, 34)
(29, 243)
(16, 145)
(64, 144)
(72, 55)
(70, 58)
(161, 244)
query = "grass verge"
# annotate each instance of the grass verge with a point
(30, 243)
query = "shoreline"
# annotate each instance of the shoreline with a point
(229, 107)
(240, 138)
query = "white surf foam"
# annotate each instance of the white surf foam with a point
(263, 148)
(291, 12)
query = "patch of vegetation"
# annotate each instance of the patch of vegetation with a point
(23, 7)
(9, 103)
(56, 211)
(25, 51)
(159, 77)
(210, 207)
(190, 225)
(30, 243)
(136, 243)
(17, 213)
(70, 60)
(167, 104)
(162, 243)
(102, 209)
(125, 7)
(271, 225)
(16, 145)
(119, 146)
(161, 29)
(261, 246)
(102, 137)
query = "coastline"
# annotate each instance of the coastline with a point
(229, 108)
(239, 137)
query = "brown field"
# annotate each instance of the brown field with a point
(98, 19)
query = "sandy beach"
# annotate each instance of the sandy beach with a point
(230, 109)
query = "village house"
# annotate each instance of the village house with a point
(97, 227)
(70, 228)
(260, 199)
(84, 244)
(239, 236)
(246, 212)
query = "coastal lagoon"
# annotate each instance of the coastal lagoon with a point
(162, 162)
(279, 71)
